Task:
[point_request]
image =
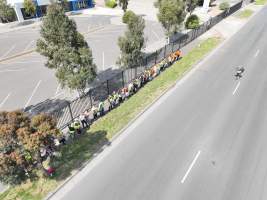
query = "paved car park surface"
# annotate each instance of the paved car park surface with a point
(25, 81)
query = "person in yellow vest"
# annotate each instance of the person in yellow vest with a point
(71, 130)
(77, 127)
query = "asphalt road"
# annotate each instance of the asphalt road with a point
(205, 139)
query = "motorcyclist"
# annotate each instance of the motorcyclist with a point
(239, 71)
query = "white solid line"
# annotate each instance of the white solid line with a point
(236, 88)
(34, 90)
(13, 47)
(155, 34)
(30, 43)
(103, 61)
(5, 99)
(190, 167)
(257, 53)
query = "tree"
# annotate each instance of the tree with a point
(192, 22)
(20, 141)
(132, 42)
(128, 14)
(7, 14)
(30, 8)
(191, 5)
(66, 50)
(124, 4)
(171, 15)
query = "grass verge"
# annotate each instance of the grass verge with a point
(75, 154)
(260, 2)
(245, 14)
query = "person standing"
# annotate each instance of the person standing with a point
(83, 120)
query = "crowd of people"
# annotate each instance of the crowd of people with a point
(88, 116)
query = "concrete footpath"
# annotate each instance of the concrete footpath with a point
(225, 29)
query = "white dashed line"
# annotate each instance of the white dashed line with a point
(33, 92)
(257, 53)
(4, 101)
(237, 86)
(190, 167)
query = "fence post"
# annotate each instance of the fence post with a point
(156, 57)
(90, 96)
(108, 87)
(172, 47)
(165, 51)
(122, 78)
(70, 111)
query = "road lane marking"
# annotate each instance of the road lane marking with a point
(103, 61)
(33, 92)
(237, 86)
(29, 45)
(4, 101)
(257, 53)
(190, 167)
(13, 47)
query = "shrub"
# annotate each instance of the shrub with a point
(224, 6)
(111, 3)
(127, 15)
(192, 22)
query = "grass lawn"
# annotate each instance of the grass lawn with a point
(81, 150)
(260, 2)
(245, 13)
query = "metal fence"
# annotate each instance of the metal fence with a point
(73, 109)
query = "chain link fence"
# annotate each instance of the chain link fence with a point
(71, 110)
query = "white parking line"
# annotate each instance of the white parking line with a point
(33, 92)
(29, 45)
(4, 101)
(11, 70)
(61, 93)
(103, 61)
(21, 62)
(58, 87)
(257, 53)
(190, 167)
(156, 35)
(13, 47)
(237, 86)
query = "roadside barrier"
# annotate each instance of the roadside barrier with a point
(69, 111)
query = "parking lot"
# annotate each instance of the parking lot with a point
(25, 81)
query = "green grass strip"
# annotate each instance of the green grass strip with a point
(245, 14)
(104, 129)
(260, 2)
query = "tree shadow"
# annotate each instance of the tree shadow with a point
(76, 154)
(47, 106)
(103, 76)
